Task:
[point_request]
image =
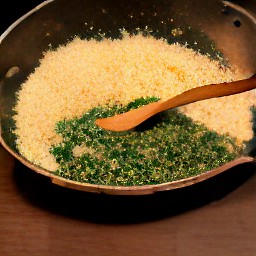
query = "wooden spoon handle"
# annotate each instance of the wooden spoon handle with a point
(132, 118)
(209, 91)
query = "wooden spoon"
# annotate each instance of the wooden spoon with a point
(132, 118)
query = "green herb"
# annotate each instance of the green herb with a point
(172, 147)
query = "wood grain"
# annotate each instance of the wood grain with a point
(214, 217)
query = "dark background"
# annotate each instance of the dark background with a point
(10, 11)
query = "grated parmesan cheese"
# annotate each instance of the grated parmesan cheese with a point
(86, 73)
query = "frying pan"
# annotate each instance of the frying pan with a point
(228, 26)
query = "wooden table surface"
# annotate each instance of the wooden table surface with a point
(215, 217)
